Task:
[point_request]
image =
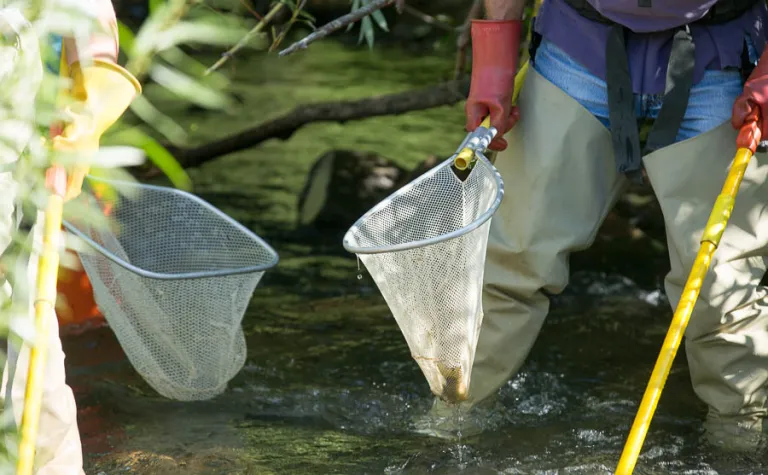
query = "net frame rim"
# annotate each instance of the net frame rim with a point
(482, 219)
(275, 258)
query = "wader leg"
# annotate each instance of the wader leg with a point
(58, 442)
(727, 337)
(8, 224)
(59, 450)
(561, 182)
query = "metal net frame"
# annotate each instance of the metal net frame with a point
(173, 276)
(424, 246)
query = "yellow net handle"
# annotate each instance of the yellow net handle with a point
(45, 301)
(713, 231)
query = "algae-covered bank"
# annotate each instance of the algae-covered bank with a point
(329, 386)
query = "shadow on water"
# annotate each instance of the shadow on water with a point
(329, 386)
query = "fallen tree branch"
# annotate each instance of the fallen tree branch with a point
(337, 24)
(283, 127)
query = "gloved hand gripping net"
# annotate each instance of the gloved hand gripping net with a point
(424, 246)
(173, 280)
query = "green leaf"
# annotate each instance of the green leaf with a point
(154, 5)
(380, 20)
(177, 57)
(167, 163)
(125, 36)
(159, 121)
(193, 32)
(355, 6)
(306, 16)
(186, 87)
(366, 31)
(159, 155)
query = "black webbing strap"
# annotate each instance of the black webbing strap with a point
(625, 133)
(677, 91)
(621, 106)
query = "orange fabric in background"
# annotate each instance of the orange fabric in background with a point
(77, 312)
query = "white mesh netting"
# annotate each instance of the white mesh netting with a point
(434, 290)
(182, 334)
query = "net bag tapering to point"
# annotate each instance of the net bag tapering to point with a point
(173, 276)
(424, 246)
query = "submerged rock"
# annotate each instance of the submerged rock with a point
(342, 185)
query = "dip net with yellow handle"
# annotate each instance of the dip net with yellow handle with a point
(424, 247)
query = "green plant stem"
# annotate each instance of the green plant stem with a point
(247, 38)
(337, 24)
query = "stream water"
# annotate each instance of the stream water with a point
(329, 386)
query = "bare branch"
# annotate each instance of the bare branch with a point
(337, 24)
(294, 17)
(245, 39)
(282, 127)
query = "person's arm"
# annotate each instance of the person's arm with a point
(504, 9)
(495, 52)
(103, 44)
(101, 91)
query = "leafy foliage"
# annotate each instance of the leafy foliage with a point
(155, 53)
(367, 31)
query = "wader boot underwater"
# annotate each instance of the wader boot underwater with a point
(102, 92)
(560, 163)
(563, 193)
(727, 338)
(58, 447)
(564, 189)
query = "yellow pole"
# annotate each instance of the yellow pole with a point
(45, 298)
(45, 301)
(713, 231)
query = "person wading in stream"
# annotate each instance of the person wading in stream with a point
(94, 73)
(572, 145)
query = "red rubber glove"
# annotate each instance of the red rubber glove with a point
(495, 50)
(755, 96)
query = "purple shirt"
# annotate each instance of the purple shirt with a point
(648, 44)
